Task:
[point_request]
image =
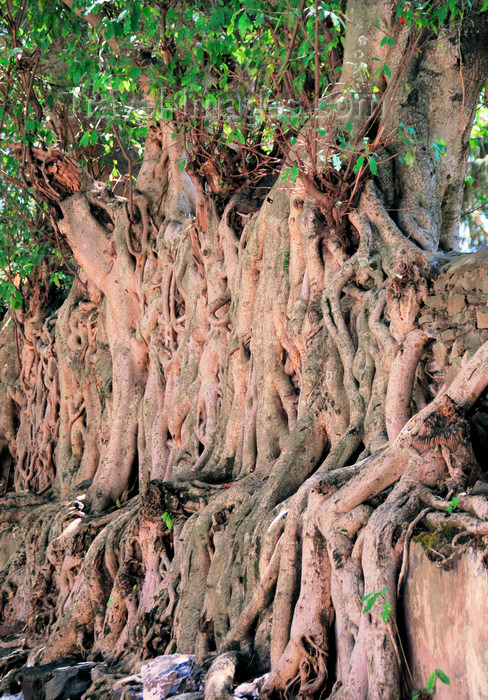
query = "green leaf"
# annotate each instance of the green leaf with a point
(240, 137)
(442, 676)
(110, 600)
(366, 597)
(391, 41)
(369, 605)
(135, 16)
(243, 24)
(167, 520)
(387, 70)
(359, 164)
(386, 611)
(294, 173)
(430, 682)
(118, 503)
(373, 166)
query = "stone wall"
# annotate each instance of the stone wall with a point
(458, 305)
(445, 616)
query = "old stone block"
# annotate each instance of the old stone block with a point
(455, 304)
(484, 284)
(461, 318)
(445, 616)
(440, 353)
(56, 681)
(69, 683)
(469, 282)
(458, 348)
(440, 285)
(426, 318)
(434, 302)
(482, 319)
(447, 335)
(169, 675)
(473, 341)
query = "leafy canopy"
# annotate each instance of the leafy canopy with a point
(238, 81)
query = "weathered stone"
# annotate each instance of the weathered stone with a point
(473, 298)
(426, 318)
(482, 319)
(434, 302)
(12, 659)
(69, 683)
(445, 615)
(469, 282)
(447, 335)
(455, 304)
(169, 675)
(461, 319)
(473, 341)
(440, 284)
(439, 351)
(251, 689)
(56, 681)
(484, 284)
(457, 349)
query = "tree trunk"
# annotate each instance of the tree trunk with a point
(237, 446)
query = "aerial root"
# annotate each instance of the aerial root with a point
(313, 667)
(259, 601)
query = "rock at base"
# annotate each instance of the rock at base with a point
(171, 675)
(54, 682)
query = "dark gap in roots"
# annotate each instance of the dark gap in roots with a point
(201, 448)
(478, 421)
(133, 481)
(323, 456)
(354, 457)
(101, 215)
(402, 630)
(332, 659)
(351, 237)
(7, 471)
